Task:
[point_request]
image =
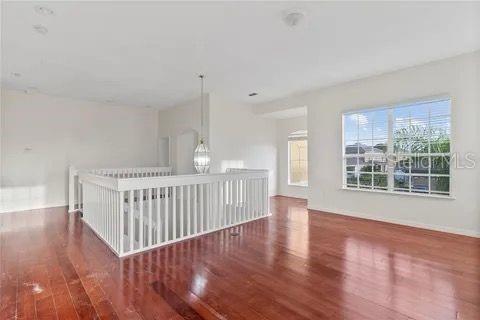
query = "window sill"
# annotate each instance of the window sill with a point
(305, 185)
(407, 194)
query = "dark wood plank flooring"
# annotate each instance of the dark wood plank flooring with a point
(297, 264)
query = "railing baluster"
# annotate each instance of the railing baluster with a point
(121, 214)
(215, 204)
(166, 213)
(131, 209)
(174, 213)
(181, 211)
(195, 209)
(234, 201)
(201, 208)
(208, 202)
(108, 204)
(101, 205)
(254, 197)
(219, 205)
(243, 212)
(225, 202)
(140, 219)
(265, 196)
(150, 223)
(188, 210)
(158, 224)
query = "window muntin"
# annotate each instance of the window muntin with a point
(298, 159)
(401, 148)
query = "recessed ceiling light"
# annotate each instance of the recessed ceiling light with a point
(16, 74)
(253, 94)
(30, 90)
(40, 29)
(45, 11)
(292, 18)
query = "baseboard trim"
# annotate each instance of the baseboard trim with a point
(463, 232)
(22, 209)
(284, 196)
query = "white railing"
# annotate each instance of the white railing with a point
(137, 214)
(75, 185)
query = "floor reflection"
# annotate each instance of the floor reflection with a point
(296, 264)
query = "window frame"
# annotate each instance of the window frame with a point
(390, 173)
(294, 184)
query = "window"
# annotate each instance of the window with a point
(298, 158)
(404, 148)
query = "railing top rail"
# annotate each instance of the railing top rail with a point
(245, 170)
(124, 184)
(75, 170)
(136, 168)
(101, 180)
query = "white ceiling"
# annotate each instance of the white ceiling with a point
(293, 112)
(149, 53)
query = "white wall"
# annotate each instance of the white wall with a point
(42, 135)
(458, 77)
(236, 136)
(178, 121)
(284, 128)
(241, 139)
(184, 152)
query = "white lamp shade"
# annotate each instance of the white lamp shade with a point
(201, 158)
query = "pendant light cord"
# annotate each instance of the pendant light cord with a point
(201, 107)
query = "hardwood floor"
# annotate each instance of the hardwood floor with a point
(293, 265)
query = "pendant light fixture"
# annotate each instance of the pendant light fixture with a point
(201, 157)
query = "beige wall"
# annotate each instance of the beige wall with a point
(42, 135)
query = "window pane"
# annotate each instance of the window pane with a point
(440, 165)
(351, 147)
(380, 124)
(401, 181)
(380, 166)
(401, 120)
(440, 108)
(379, 146)
(401, 145)
(420, 183)
(351, 179)
(366, 179)
(420, 164)
(364, 146)
(364, 164)
(351, 164)
(440, 146)
(440, 184)
(380, 181)
(350, 127)
(402, 164)
(365, 125)
(298, 161)
(419, 144)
